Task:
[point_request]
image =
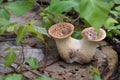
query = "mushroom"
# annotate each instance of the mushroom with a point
(75, 50)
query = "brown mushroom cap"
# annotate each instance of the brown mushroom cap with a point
(61, 30)
(91, 35)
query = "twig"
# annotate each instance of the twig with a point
(45, 56)
(51, 63)
(34, 72)
(22, 52)
(76, 19)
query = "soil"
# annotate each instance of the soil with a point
(115, 43)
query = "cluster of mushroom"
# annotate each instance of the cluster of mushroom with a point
(74, 50)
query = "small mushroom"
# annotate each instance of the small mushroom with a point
(75, 50)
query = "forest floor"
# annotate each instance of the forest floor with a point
(106, 57)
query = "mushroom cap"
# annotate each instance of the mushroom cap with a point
(91, 35)
(61, 30)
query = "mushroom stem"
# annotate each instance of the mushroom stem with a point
(74, 50)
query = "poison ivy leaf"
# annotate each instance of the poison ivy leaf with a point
(44, 78)
(9, 59)
(14, 77)
(20, 7)
(94, 12)
(1, 1)
(21, 34)
(4, 13)
(33, 62)
(97, 77)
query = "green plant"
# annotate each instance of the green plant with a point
(12, 77)
(96, 13)
(19, 8)
(31, 28)
(10, 56)
(44, 78)
(19, 77)
(96, 74)
(33, 63)
(112, 23)
(93, 13)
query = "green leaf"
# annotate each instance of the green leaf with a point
(12, 27)
(96, 71)
(41, 30)
(115, 13)
(54, 1)
(1, 1)
(64, 6)
(97, 77)
(21, 34)
(117, 26)
(40, 36)
(20, 7)
(14, 77)
(117, 8)
(116, 32)
(32, 30)
(76, 35)
(7, 49)
(110, 22)
(117, 1)
(33, 62)
(4, 13)
(57, 17)
(2, 78)
(44, 78)
(94, 12)
(46, 22)
(3, 21)
(3, 25)
(111, 3)
(9, 59)
(109, 34)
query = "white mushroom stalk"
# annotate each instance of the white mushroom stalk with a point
(74, 50)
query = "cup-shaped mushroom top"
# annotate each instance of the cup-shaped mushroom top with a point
(61, 30)
(91, 35)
